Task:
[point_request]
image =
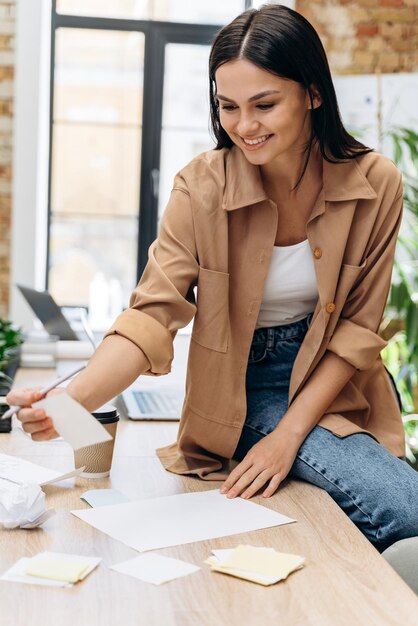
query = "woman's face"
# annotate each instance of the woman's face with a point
(266, 116)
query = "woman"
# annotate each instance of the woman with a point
(288, 230)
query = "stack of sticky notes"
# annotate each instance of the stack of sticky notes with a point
(52, 568)
(264, 566)
(63, 569)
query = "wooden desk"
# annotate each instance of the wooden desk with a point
(344, 582)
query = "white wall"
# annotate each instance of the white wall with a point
(288, 3)
(358, 100)
(30, 152)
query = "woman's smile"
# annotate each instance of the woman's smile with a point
(255, 143)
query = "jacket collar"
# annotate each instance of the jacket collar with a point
(243, 185)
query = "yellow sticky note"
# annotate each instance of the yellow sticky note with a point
(254, 578)
(267, 563)
(65, 570)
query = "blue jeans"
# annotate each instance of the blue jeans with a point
(377, 490)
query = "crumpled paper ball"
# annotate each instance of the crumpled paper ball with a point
(22, 505)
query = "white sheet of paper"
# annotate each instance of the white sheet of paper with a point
(180, 519)
(73, 422)
(20, 471)
(17, 572)
(155, 568)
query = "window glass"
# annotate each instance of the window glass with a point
(96, 147)
(195, 11)
(185, 127)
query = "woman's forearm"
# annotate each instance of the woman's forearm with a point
(115, 365)
(324, 385)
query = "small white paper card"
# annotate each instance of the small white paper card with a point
(72, 421)
(19, 471)
(17, 573)
(183, 518)
(103, 497)
(155, 568)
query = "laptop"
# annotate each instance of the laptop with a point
(145, 404)
(160, 397)
(49, 313)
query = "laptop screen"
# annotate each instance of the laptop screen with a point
(48, 312)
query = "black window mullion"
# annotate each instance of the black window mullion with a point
(151, 141)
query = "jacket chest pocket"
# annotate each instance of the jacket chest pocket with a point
(348, 278)
(346, 282)
(211, 323)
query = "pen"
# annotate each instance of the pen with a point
(44, 390)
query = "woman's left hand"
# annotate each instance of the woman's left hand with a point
(269, 460)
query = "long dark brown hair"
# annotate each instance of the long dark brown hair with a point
(281, 41)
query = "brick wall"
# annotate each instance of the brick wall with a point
(361, 36)
(7, 46)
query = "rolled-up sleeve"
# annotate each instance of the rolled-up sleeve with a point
(164, 301)
(355, 337)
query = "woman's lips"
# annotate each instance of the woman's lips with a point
(258, 145)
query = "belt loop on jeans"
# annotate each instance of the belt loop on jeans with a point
(270, 338)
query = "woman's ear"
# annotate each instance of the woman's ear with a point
(315, 99)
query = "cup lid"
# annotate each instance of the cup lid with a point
(106, 411)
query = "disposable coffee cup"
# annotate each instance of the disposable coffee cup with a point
(97, 459)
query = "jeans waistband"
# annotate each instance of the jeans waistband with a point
(286, 331)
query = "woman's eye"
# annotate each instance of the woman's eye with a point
(262, 107)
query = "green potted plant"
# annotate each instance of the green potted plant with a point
(400, 324)
(11, 339)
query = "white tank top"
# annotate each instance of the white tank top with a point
(290, 291)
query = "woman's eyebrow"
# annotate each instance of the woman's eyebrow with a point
(262, 94)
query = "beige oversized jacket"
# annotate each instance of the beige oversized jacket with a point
(217, 233)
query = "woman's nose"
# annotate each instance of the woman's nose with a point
(247, 125)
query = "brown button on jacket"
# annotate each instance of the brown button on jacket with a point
(217, 233)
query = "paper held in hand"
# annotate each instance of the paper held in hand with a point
(72, 421)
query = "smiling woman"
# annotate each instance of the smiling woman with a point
(288, 230)
(290, 55)
(279, 116)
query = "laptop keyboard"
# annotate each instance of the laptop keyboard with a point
(151, 402)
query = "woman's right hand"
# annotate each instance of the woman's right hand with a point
(34, 420)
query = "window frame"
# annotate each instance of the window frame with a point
(32, 150)
(157, 35)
